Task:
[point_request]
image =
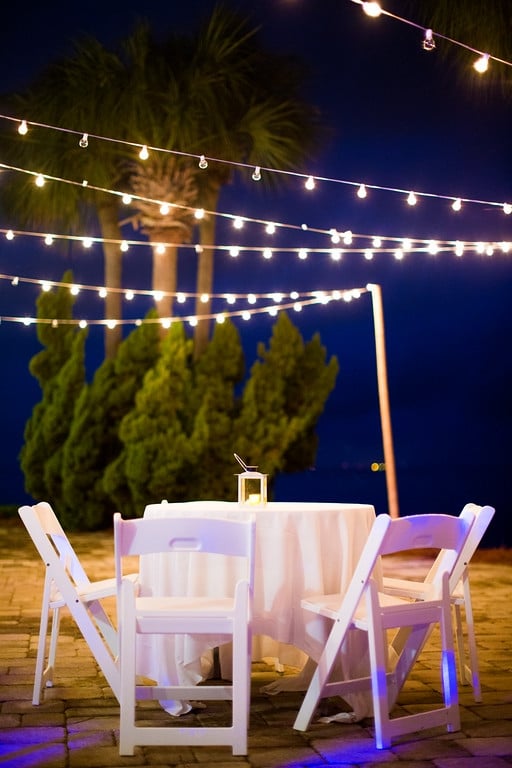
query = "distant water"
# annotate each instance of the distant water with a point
(420, 490)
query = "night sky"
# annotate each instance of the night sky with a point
(400, 118)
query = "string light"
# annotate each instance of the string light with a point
(23, 128)
(411, 199)
(39, 180)
(428, 41)
(310, 183)
(144, 154)
(256, 174)
(203, 162)
(372, 9)
(482, 64)
(457, 204)
(361, 192)
(84, 141)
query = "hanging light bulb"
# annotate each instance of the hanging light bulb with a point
(164, 209)
(459, 248)
(23, 128)
(256, 174)
(372, 9)
(9, 234)
(267, 253)
(48, 240)
(411, 199)
(507, 209)
(457, 204)
(234, 251)
(270, 228)
(144, 154)
(428, 41)
(238, 222)
(482, 64)
(361, 192)
(203, 162)
(102, 293)
(377, 242)
(124, 246)
(39, 180)
(199, 213)
(310, 183)
(84, 141)
(127, 199)
(303, 254)
(129, 295)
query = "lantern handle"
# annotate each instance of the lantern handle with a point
(245, 467)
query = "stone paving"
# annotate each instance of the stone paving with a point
(77, 724)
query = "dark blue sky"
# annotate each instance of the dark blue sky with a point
(401, 118)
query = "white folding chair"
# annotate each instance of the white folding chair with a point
(365, 607)
(67, 585)
(227, 617)
(460, 595)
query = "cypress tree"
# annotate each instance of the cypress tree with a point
(93, 443)
(57, 339)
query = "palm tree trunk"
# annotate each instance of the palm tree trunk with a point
(109, 224)
(205, 273)
(165, 272)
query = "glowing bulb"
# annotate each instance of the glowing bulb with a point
(507, 208)
(9, 234)
(335, 236)
(127, 199)
(158, 295)
(160, 249)
(310, 183)
(238, 222)
(433, 247)
(220, 319)
(74, 290)
(482, 64)
(23, 128)
(45, 286)
(303, 254)
(368, 254)
(480, 247)
(246, 315)
(203, 162)
(457, 204)
(272, 311)
(297, 306)
(428, 41)
(372, 9)
(277, 297)
(165, 322)
(181, 298)
(84, 141)
(459, 248)
(205, 298)
(270, 228)
(102, 293)
(406, 244)
(256, 174)
(48, 240)
(377, 242)
(144, 154)
(199, 213)
(361, 192)
(111, 324)
(234, 252)
(129, 295)
(251, 298)
(267, 253)
(124, 246)
(399, 254)
(347, 237)
(336, 254)
(164, 209)
(40, 180)
(411, 199)
(87, 242)
(230, 298)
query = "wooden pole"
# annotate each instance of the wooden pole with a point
(385, 415)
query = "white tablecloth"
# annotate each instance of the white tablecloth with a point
(301, 549)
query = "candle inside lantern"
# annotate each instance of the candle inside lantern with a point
(254, 498)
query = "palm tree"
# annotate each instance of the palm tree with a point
(208, 94)
(76, 93)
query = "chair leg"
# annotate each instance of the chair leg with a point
(449, 670)
(127, 695)
(474, 668)
(241, 691)
(40, 672)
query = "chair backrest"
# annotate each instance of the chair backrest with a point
(416, 532)
(213, 535)
(482, 516)
(49, 538)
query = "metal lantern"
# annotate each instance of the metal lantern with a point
(252, 485)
